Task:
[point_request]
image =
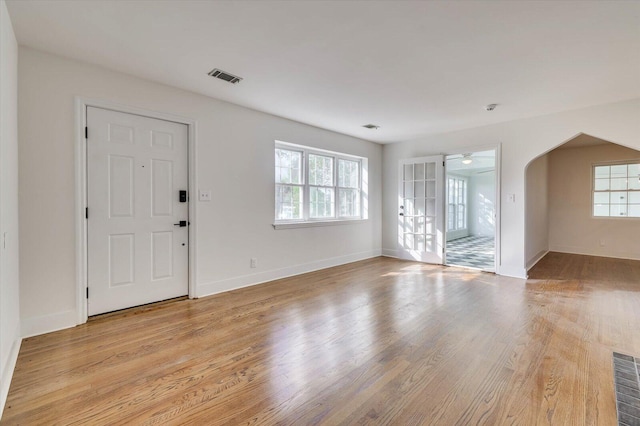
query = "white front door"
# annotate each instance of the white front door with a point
(420, 214)
(137, 251)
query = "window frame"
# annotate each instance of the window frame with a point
(609, 191)
(336, 219)
(292, 185)
(456, 204)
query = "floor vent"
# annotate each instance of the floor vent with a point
(222, 75)
(627, 381)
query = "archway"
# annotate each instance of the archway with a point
(583, 197)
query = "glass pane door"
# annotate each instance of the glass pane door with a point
(420, 209)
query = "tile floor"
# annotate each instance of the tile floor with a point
(472, 251)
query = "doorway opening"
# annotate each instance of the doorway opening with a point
(470, 210)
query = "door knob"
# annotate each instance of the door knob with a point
(181, 224)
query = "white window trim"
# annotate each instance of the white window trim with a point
(593, 189)
(307, 221)
(466, 205)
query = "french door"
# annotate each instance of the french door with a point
(420, 213)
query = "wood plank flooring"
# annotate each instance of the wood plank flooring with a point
(380, 341)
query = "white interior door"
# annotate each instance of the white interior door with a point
(420, 214)
(136, 168)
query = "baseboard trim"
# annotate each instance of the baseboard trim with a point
(221, 286)
(512, 272)
(389, 253)
(48, 323)
(577, 250)
(535, 259)
(7, 373)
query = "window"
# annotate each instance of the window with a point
(314, 185)
(616, 190)
(456, 204)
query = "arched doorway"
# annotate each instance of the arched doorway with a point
(583, 197)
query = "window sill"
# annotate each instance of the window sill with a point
(313, 224)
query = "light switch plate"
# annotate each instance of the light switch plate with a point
(204, 195)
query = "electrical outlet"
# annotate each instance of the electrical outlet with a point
(254, 262)
(204, 195)
(602, 242)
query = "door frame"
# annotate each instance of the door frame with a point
(81, 104)
(498, 148)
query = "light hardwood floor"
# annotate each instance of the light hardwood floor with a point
(381, 341)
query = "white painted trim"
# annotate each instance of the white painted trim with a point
(291, 225)
(610, 254)
(215, 287)
(48, 323)
(81, 104)
(390, 253)
(535, 259)
(7, 373)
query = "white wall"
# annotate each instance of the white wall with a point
(572, 229)
(537, 210)
(482, 204)
(9, 283)
(522, 141)
(235, 161)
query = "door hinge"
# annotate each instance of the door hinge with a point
(87, 292)
(86, 213)
(443, 164)
(86, 132)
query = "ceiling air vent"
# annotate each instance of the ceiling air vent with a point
(222, 75)
(371, 126)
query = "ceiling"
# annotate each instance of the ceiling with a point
(413, 68)
(583, 140)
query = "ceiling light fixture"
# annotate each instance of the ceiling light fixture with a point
(491, 107)
(371, 126)
(466, 159)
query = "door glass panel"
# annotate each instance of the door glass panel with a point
(408, 172)
(418, 189)
(618, 210)
(430, 243)
(431, 207)
(408, 224)
(431, 189)
(431, 171)
(408, 241)
(408, 207)
(408, 189)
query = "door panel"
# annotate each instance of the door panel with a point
(136, 167)
(420, 218)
